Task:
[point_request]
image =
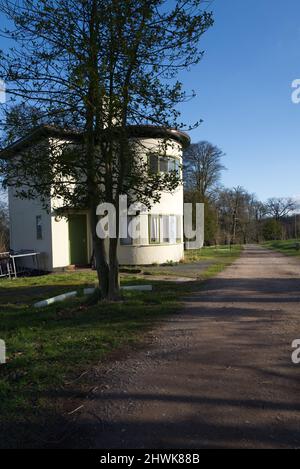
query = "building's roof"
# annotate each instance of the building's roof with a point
(36, 135)
(154, 131)
(138, 131)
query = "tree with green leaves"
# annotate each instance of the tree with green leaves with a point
(19, 121)
(98, 69)
(272, 229)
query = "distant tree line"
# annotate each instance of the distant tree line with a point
(234, 215)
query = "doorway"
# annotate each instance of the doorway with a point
(78, 246)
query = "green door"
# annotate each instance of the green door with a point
(78, 240)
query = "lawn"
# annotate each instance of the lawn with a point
(50, 348)
(285, 247)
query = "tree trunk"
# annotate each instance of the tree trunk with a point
(93, 106)
(100, 257)
(114, 283)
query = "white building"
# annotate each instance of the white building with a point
(62, 242)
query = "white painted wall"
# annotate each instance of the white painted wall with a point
(60, 239)
(150, 254)
(60, 242)
(23, 215)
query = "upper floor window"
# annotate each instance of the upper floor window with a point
(163, 164)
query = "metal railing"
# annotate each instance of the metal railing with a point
(11, 267)
(6, 265)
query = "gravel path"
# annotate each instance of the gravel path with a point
(217, 375)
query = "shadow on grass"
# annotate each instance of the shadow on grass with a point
(45, 346)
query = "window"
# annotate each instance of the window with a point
(171, 164)
(136, 230)
(177, 166)
(163, 164)
(39, 227)
(168, 229)
(178, 229)
(154, 229)
(153, 163)
(165, 229)
(128, 241)
(172, 229)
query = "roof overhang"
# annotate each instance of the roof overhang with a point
(134, 131)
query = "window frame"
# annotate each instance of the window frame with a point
(39, 227)
(161, 242)
(149, 229)
(165, 159)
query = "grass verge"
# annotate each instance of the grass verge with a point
(289, 248)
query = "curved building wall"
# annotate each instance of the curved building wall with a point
(143, 251)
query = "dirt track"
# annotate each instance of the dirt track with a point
(218, 375)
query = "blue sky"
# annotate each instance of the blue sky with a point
(252, 55)
(243, 86)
